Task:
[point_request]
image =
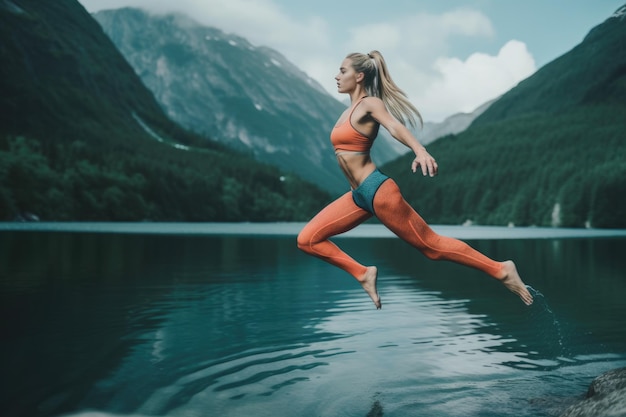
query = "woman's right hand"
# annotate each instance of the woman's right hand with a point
(425, 161)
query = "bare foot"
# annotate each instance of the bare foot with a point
(514, 283)
(368, 282)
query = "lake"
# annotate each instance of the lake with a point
(233, 320)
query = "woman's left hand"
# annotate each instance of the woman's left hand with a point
(426, 162)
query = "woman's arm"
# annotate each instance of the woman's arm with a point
(376, 108)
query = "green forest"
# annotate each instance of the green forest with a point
(81, 138)
(549, 152)
(565, 170)
(79, 181)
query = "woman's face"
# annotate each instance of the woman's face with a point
(347, 78)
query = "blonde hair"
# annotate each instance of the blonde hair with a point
(379, 84)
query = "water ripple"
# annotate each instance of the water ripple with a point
(245, 326)
(256, 372)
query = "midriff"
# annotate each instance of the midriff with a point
(356, 166)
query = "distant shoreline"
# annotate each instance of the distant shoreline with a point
(292, 229)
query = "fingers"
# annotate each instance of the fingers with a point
(428, 166)
(434, 168)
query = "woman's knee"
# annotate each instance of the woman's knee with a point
(304, 241)
(433, 254)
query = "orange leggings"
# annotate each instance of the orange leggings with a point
(398, 216)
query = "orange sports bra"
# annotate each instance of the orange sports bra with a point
(346, 138)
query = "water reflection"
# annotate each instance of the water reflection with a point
(180, 326)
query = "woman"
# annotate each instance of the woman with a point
(375, 101)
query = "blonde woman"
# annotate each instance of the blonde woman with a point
(375, 101)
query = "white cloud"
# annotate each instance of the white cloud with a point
(262, 22)
(420, 35)
(466, 22)
(417, 47)
(465, 85)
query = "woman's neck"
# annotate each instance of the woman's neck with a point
(357, 94)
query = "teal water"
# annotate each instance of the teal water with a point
(171, 323)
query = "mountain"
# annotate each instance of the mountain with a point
(247, 97)
(254, 94)
(452, 125)
(81, 137)
(550, 152)
(591, 73)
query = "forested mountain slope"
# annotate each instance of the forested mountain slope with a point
(550, 152)
(250, 98)
(81, 138)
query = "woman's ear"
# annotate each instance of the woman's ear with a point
(360, 76)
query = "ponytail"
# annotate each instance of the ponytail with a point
(378, 83)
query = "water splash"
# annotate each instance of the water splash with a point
(545, 322)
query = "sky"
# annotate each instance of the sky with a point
(448, 56)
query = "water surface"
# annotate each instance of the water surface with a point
(171, 323)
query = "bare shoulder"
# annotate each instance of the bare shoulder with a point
(375, 107)
(373, 102)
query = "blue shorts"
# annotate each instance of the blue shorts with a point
(363, 195)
